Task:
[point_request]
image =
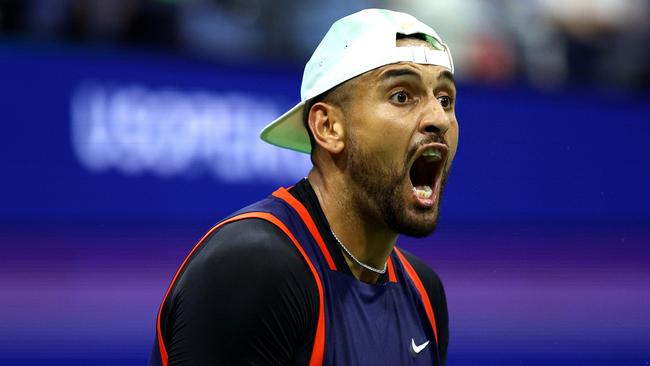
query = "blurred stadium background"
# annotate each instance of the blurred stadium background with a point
(130, 127)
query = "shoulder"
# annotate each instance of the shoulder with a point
(252, 248)
(428, 276)
(245, 295)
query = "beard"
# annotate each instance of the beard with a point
(380, 189)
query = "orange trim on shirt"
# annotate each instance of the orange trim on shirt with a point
(391, 270)
(318, 348)
(423, 293)
(284, 195)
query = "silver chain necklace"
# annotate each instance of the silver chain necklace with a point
(373, 269)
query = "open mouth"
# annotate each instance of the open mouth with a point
(426, 171)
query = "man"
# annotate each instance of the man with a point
(311, 274)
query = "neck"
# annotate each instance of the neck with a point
(365, 236)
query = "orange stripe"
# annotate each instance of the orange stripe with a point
(423, 293)
(284, 195)
(318, 348)
(391, 271)
(319, 342)
(161, 344)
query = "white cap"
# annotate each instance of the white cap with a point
(354, 45)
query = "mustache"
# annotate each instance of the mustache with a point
(430, 139)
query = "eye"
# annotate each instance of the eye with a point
(445, 101)
(401, 97)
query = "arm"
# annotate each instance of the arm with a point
(245, 297)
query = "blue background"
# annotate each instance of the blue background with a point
(542, 244)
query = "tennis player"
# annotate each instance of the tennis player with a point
(311, 275)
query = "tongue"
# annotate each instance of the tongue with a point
(423, 191)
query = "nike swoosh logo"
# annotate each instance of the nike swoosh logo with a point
(415, 349)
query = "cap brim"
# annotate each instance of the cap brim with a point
(288, 131)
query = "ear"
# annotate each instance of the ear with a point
(326, 123)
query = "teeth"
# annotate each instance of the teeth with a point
(423, 191)
(432, 154)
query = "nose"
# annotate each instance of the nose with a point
(434, 118)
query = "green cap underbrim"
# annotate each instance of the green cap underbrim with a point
(288, 131)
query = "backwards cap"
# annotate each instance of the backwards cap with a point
(355, 44)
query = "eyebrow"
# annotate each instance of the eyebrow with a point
(444, 75)
(396, 73)
(447, 75)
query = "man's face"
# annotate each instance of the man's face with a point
(401, 140)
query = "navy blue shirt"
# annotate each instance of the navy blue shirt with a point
(247, 297)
